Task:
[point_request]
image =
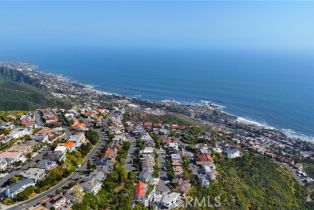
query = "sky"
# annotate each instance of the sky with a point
(270, 26)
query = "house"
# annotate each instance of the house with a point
(210, 171)
(148, 124)
(109, 153)
(163, 131)
(80, 126)
(46, 164)
(97, 175)
(145, 175)
(168, 140)
(177, 170)
(22, 147)
(43, 135)
(40, 137)
(173, 146)
(70, 146)
(34, 173)
(174, 126)
(119, 138)
(203, 179)
(175, 157)
(140, 191)
(12, 156)
(78, 138)
(187, 154)
(61, 149)
(148, 140)
(56, 156)
(204, 159)
(169, 200)
(157, 125)
(204, 150)
(71, 194)
(3, 165)
(232, 153)
(57, 202)
(12, 190)
(147, 150)
(7, 126)
(27, 120)
(18, 133)
(176, 163)
(91, 186)
(49, 117)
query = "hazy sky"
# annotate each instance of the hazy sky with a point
(230, 24)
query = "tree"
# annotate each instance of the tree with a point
(92, 136)
(25, 194)
(85, 148)
(90, 166)
(13, 179)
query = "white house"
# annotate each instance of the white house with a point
(168, 200)
(12, 156)
(18, 133)
(61, 149)
(232, 153)
(91, 186)
(148, 150)
(7, 125)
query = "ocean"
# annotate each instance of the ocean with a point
(275, 89)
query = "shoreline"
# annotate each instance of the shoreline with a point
(245, 120)
(289, 132)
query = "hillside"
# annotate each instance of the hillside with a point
(19, 92)
(9, 74)
(253, 182)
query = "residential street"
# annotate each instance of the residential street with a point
(129, 162)
(162, 187)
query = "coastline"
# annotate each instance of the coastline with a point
(245, 120)
(289, 132)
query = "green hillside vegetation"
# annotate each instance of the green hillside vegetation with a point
(22, 96)
(20, 92)
(253, 182)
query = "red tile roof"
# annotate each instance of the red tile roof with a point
(157, 125)
(204, 157)
(174, 126)
(168, 140)
(78, 125)
(108, 153)
(139, 190)
(69, 144)
(148, 124)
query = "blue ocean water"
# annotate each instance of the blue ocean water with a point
(275, 89)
